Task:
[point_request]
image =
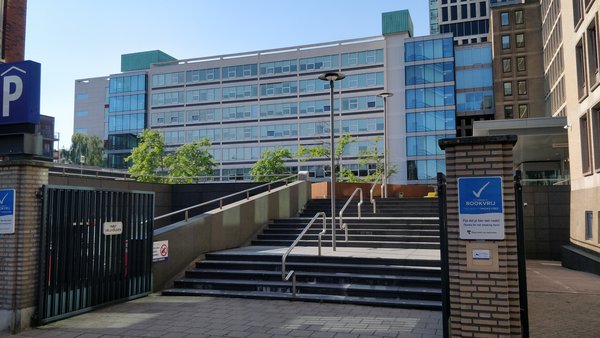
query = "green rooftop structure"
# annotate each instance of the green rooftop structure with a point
(396, 22)
(143, 60)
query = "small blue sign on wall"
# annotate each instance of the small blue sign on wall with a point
(7, 211)
(480, 208)
(20, 92)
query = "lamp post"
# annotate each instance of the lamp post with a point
(332, 77)
(385, 95)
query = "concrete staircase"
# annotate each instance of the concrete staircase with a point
(394, 278)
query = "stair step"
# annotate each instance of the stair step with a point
(366, 244)
(397, 302)
(358, 262)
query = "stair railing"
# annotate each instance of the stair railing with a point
(292, 273)
(221, 199)
(380, 178)
(343, 225)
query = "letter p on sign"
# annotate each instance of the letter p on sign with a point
(13, 89)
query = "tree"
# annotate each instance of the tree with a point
(189, 161)
(320, 151)
(270, 165)
(148, 157)
(84, 145)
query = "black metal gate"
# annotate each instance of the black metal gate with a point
(96, 248)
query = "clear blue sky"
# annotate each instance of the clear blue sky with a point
(75, 39)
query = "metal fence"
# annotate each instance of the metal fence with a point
(96, 249)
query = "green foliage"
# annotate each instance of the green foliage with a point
(84, 145)
(271, 165)
(148, 157)
(190, 160)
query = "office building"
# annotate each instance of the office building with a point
(91, 108)
(518, 59)
(582, 82)
(554, 59)
(467, 20)
(247, 103)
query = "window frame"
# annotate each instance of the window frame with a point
(585, 149)
(508, 92)
(517, 44)
(505, 63)
(522, 84)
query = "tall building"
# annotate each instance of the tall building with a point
(582, 82)
(250, 102)
(12, 26)
(91, 107)
(518, 59)
(430, 104)
(467, 20)
(554, 59)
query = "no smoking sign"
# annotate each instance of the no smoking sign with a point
(160, 251)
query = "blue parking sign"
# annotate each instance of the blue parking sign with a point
(20, 92)
(7, 211)
(480, 208)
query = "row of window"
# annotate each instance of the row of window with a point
(522, 111)
(431, 121)
(355, 81)
(519, 40)
(127, 122)
(268, 68)
(126, 84)
(429, 73)
(308, 129)
(430, 97)
(264, 111)
(521, 64)
(479, 100)
(450, 13)
(467, 28)
(521, 87)
(418, 170)
(474, 78)
(580, 7)
(428, 49)
(588, 60)
(425, 145)
(589, 129)
(473, 55)
(124, 103)
(505, 18)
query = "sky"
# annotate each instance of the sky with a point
(78, 39)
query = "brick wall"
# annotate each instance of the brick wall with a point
(14, 30)
(19, 252)
(482, 303)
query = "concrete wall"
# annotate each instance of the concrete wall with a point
(220, 229)
(546, 219)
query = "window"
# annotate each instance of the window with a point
(504, 19)
(483, 8)
(519, 17)
(589, 222)
(506, 67)
(595, 136)
(586, 164)
(521, 63)
(463, 12)
(592, 51)
(453, 13)
(580, 62)
(508, 112)
(507, 88)
(523, 111)
(577, 12)
(505, 41)
(520, 40)
(522, 87)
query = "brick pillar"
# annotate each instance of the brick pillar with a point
(484, 294)
(19, 252)
(14, 30)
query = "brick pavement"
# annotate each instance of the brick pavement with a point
(562, 303)
(158, 316)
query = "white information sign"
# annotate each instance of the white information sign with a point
(160, 251)
(480, 208)
(112, 228)
(7, 211)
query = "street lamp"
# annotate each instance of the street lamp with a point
(332, 77)
(385, 95)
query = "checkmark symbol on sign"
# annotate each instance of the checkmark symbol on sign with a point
(477, 194)
(3, 198)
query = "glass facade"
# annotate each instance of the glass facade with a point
(430, 104)
(474, 80)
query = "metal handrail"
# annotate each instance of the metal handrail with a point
(220, 199)
(371, 193)
(292, 273)
(342, 224)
